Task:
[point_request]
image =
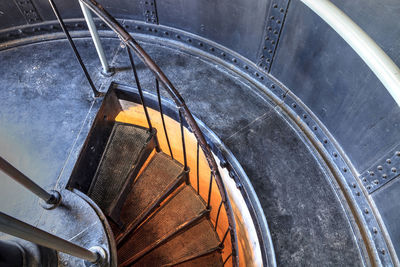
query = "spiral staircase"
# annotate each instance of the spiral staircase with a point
(159, 219)
(141, 195)
(132, 178)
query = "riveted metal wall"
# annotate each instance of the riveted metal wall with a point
(287, 40)
(10, 15)
(236, 24)
(336, 84)
(328, 76)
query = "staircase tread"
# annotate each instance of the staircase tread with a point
(210, 260)
(150, 185)
(121, 153)
(197, 240)
(181, 208)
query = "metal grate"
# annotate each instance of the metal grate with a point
(161, 172)
(120, 155)
(193, 242)
(182, 208)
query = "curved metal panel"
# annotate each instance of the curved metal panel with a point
(10, 15)
(334, 82)
(236, 24)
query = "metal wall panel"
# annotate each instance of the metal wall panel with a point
(123, 9)
(330, 78)
(10, 15)
(387, 200)
(236, 24)
(67, 9)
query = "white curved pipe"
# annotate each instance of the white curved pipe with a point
(377, 60)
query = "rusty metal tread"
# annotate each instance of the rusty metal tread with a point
(177, 214)
(197, 240)
(123, 150)
(161, 177)
(213, 259)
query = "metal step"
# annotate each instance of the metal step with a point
(178, 214)
(125, 152)
(197, 240)
(158, 180)
(213, 259)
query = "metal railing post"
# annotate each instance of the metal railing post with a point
(72, 44)
(48, 198)
(14, 227)
(107, 71)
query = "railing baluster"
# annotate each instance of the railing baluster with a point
(14, 227)
(219, 210)
(139, 87)
(72, 44)
(198, 169)
(183, 140)
(227, 258)
(225, 235)
(162, 117)
(209, 191)
(7, 168)
(107, 71)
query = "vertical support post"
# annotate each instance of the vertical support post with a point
(162, 117)
(107, 71)
(183, 139)
(216, 220)
(72, 44)
(198, 169)
(139, 87)
(209, 191)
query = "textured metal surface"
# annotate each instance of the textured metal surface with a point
(236, 24)
(123, 150)
(150, 11)
(149, 189)
(34, 140)
(275, 20)
(183, 245)
(92, 141)
(10, 15)
(211, 260)
(180, 209)
(28, 10)
(334, 82)
(382, 172)
(386, 199)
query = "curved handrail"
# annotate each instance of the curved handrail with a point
(128, 40)
(376, 59)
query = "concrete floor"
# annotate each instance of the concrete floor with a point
(45, 100)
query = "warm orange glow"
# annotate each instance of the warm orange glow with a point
(134, 114)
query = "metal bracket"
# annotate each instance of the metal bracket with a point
(275, 20)
(28, 10)
(150, 11)
(382, 172)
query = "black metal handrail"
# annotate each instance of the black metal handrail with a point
(183, 110)
(128, 40)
